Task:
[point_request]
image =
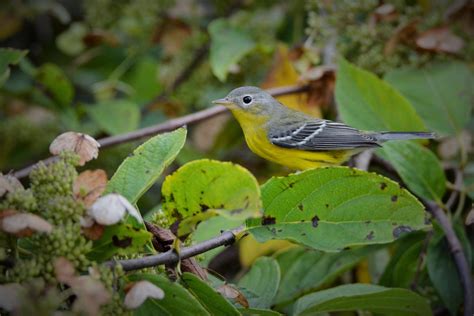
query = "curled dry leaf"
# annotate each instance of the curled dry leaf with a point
(111, 208)
(440, 39)
(93, 232)
(404, 33)
(283, 73)
(140, 291)
(89, 185)
(23, 224)
(232, 293)
(321, 81)
(82, 144)
(384, 13)
(451, 146)
(8, 184)
(10, 296)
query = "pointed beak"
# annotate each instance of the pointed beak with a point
(223, 101)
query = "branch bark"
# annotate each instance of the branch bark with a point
(164, 127)
(460, 260)
(172, 257)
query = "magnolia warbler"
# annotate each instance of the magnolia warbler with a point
(297, 140)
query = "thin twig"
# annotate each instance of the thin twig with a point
(164, 127)
(457, 251)
(171, 256)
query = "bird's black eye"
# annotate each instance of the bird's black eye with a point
(247, 99)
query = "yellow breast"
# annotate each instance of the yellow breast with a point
(255, 132)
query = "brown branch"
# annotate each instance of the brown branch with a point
(459, 256)
(172, 257)
(165, 127)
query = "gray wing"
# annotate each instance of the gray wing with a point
(321, 135)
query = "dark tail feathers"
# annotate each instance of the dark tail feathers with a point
(384, 136)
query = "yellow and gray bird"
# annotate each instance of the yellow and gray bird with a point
(295, 139)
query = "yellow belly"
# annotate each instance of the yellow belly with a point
(257, 140)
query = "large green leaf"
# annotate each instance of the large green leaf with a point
(115, 116)
(53, 79)
(120, 239)
(177, 300)
(214, 302)
(205, 188)
(337, 207)
(9, 56)
(305, 270)
(263, 280)
(441, 93)
(401, 269)
(442, 269)
(367, 102)
(228, 46)
(367, 297)
(419, 168)
(137, 173)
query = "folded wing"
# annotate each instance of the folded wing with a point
(320, 135)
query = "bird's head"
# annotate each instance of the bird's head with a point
(248, 99)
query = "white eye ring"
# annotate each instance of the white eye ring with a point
(247, 99)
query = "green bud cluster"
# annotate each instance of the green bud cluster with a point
(20, 200)
(51, 197)
(62, 209)
(110, 277)
(51, 181)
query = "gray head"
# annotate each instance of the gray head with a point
(250, 99)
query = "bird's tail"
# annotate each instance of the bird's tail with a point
(384, 136)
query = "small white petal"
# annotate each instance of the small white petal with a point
(140, 292)
(130, 208)
(107, 210)
(18, 222)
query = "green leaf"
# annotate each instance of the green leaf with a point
(115, 116)
(120, 239)
(143, 78)
(263, 280)
(137, 173)
(228, 46)
(177, 300)
(401, 270)
(215, 303)
(441, 93)
(418, 167)
(53, 79)
(305, 270)
(333, 208)
(211, 228)
(9, 56)
(205, 188)
(442, 268)
(367, 297)
(367, 102)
